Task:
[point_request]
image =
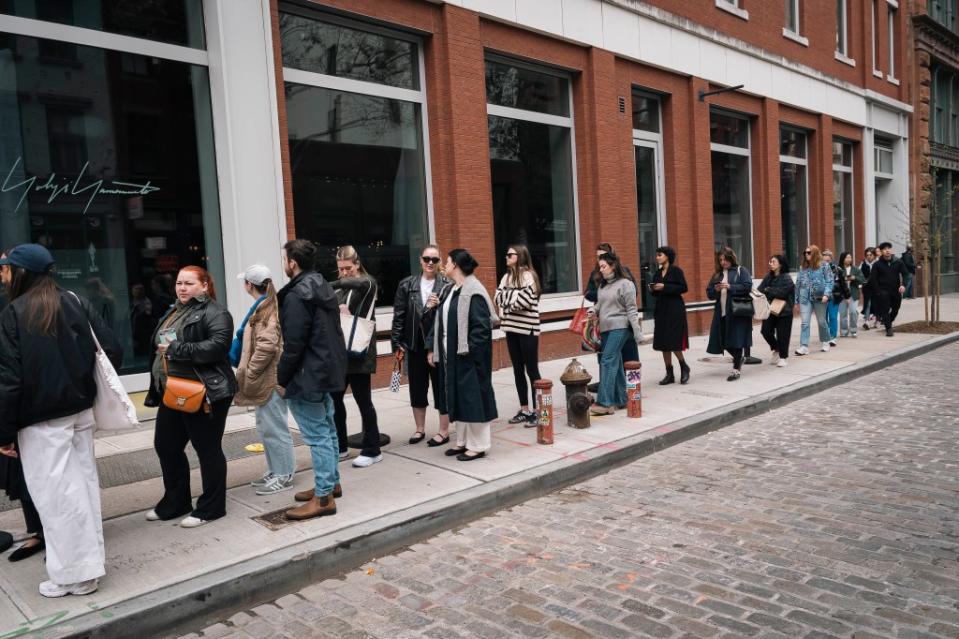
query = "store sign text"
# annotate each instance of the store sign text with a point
(54, 187)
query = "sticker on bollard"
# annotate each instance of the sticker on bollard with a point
(634, 392)
(544, 407)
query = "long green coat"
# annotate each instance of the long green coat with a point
(466, 381)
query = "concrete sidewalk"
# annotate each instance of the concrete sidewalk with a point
(159, 575)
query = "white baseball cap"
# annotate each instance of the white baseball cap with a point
(256, 275)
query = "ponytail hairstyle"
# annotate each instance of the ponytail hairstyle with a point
(524, 263)
(349, 253)
(204, 277)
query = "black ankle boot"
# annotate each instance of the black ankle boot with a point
(669, 379)
(683, 372)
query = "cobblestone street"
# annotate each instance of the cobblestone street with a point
(835, 516)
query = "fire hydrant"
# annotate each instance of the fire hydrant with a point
(544, 411)
(634, 391)
(575, 378)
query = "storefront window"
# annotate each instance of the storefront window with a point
(173, 21)
(531, 170)
(109, 163)
(732, 201)
(356, 148)
(793, 197)
(842, 202)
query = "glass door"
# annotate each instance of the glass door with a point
(649, 211)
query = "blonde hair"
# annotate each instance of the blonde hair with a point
(349, 253)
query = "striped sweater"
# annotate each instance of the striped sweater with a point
(520, 305)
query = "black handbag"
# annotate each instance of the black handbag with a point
(743, 306)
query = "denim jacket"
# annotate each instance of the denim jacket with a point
(813, 285)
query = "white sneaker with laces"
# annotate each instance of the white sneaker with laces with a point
(362, 461)
(277, 484)
(825, 347)
(782, 363)
(262, 481)
(802, 350)
(152, 515)
(775, 358)
(192, 522)
(52, 590)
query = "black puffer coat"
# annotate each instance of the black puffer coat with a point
(44, 377)
(204, 344)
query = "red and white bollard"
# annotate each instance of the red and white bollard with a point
(544, 411)
(634, 391)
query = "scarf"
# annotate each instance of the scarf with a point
(471, 286)
(236, 348)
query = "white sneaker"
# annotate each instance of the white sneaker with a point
(277, 484)
(775, 358)
(825, 347)
(262, 481)
(192, 522)
(152, 515)
(802, 350)
(362, 461)
(782, 363)
(344, 455)
(832, 342)
(52, 590)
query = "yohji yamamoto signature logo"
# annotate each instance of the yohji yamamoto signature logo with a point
(56, 186)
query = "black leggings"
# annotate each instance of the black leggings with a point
(524, 354)
(362, 386)
(172, 431)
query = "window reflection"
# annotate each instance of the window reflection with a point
(522, 88)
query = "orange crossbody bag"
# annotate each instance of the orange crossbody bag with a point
(184, 395)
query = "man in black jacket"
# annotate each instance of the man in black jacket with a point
(887, 283)
(312, 365)
(909, 261)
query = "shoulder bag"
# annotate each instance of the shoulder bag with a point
(743, 305)
(579, 319)
(358, 331)
(184, 395)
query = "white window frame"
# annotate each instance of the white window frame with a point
(374, 89)
(538, 117)
(875, 39)
(747, 153)
(842, 35)
(881, 146)
(732, 6)
(654, 141)
(804, 162)
(892, 10)
(792, 31)
(842, 168)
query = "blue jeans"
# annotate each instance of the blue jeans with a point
(849, 316)
(832, 317)
(909, 280)
(275, 433)
(612, 378)
(805, 313)
(315, 420)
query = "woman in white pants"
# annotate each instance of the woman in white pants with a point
(47, 390)
(463, 351)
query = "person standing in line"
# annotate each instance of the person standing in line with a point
(729, 332)
(47, 392)
(416, 297)
(848, 308)
(671, 330)
(192, 341)
(517, 297)
(865, 267)
(630, 350)
(887, 281)
(356, 292)
(838, 293)
(312, 366)
(777, 329)
(255, 352)
(909, 261)
(463, 352)
(814, 290)
(618, 322)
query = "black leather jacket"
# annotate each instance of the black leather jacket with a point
(204, 343)
(407, 332)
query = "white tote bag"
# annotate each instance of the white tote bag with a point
(112, 409)
(358, 331)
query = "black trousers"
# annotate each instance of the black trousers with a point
(524, 354)
(421, 375)
(776, 330)
(31, 516)
(886, 305)
(362, 386)
(204, 431)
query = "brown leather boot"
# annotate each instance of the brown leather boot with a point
(307, 495)
(316, 507)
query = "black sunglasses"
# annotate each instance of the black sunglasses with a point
(807, 252)
(430, 260)
(512, 254)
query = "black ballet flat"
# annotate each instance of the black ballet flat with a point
(417, 438)
(27, 551)
(6, 540)
(454, 451)
(433, 442)
(465, 457)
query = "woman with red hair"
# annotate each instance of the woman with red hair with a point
(192, 342)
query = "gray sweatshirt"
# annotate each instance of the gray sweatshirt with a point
(616, 306)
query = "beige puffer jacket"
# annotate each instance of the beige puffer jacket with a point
(262, 345)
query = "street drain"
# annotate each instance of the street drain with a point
(274, 520)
